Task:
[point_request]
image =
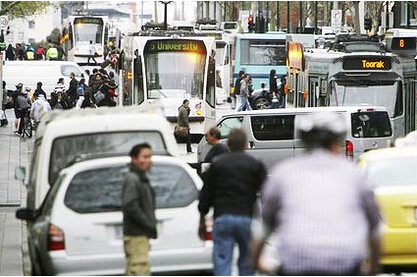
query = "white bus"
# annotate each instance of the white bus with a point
(162, 71)
(84, 38)
(352, 76)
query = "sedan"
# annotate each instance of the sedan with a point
(393, 172)
(78, 229)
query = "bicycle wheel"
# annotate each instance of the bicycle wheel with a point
(27, 128)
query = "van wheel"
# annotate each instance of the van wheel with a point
(261, 103)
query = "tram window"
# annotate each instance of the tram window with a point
(273, 127)
(211, 82)
(399, 101)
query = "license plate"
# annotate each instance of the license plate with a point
(118, 232)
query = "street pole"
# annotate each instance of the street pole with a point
(288, 17)
(278, 23)
(166, 13)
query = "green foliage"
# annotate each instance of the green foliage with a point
(15, 9)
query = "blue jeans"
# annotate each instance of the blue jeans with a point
(228, 230)
(243, 103)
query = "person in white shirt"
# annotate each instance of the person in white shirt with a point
(39, 107)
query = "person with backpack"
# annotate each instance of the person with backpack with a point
(237, 89)
(81, 88)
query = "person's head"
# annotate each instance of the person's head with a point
(72, 75)
(186, 103)
(60, 80)
(82, 81)
(91, 42)
(4, 85)
(241, 73)
(213, 135)
(237, 140)
(141, 155)
(272, 73)
(323, 130)
(87, 72)
(19, 86)
(263, 85)
(39, 85)
(95, 70)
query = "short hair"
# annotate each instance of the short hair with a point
(215, 132)
(39, 84)
(237, 140)
(138, 148)
(185, 101)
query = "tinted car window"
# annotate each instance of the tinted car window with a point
(370, 124)
(99, 190)
(66, 149)
(273, 127)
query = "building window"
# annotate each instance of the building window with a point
(31, 24)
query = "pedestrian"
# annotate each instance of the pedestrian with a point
(10, 53)
(4, 102)
(92, 55)
(19, 52)
(230, 187)
(138, 206)
(183, 114)
(29, 52)
(39, 89)
(72, 90)
(23, 107)
(213, 137)
(52, 53)
(14, 96)
(39, 108)
(40, 53)
(80, 91)
(244, 94)
(60, 85)
(321, 207)
(282, 91)
(236, 90)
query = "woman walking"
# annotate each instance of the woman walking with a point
(183, 113)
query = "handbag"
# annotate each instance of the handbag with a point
(98, 97)
(180, 131)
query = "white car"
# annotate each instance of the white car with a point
(78, 229)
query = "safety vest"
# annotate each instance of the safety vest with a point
(52, 53)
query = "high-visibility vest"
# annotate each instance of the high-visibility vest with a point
(52, 53)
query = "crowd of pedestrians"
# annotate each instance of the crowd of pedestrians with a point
(100, 90)
(28, 52)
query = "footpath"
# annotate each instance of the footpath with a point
(14, 151)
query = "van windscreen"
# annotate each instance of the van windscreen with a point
(67, 149)
(371, 124)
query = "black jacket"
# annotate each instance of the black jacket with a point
(138, 205)
(231, 185)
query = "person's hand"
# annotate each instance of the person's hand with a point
(202, 231)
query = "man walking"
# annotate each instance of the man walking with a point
(230, 187)
(72, 90)
(213, 136)
(321, 207)
(138, 206)
(244, 94)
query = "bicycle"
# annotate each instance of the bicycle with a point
(27, 127)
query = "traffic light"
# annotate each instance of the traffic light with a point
(367, 23)
(251, 24)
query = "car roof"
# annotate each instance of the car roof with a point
(389, 153)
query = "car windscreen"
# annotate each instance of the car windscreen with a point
(370, 124)
(393, 171)
(67, 149)
(99, 190)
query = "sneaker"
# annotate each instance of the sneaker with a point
(17, 133)
(190, 152)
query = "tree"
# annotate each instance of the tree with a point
(54, 36)
(14, 9)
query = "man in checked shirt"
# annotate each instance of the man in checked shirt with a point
(321, 207)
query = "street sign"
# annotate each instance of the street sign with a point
(4, 21)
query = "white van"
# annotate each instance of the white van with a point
(29, 73)
(272, 137)
(63, 137)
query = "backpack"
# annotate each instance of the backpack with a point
(80, 90)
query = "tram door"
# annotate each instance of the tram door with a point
(313, 91)
(409, 111)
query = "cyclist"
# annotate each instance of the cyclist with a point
(23, 105)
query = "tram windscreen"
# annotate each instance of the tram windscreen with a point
(88, 29)
(384, 94)
(175, 69)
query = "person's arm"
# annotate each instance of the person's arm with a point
(205, 200)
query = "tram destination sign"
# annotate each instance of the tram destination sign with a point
(366, 63)
(170, 45)
(88, 20)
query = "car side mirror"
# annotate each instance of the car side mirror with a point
(26, 214)
(20, 173)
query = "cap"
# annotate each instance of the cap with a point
(331, 122)
(19, 85)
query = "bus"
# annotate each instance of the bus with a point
(84, 37)
(258, 54)
(358, 73)
(161, 70)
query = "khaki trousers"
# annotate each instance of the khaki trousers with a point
(137, 255)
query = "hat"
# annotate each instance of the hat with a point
(19, 85)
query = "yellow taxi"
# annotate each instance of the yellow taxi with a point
(393, 172)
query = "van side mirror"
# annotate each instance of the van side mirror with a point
(26, 214)
(20, 173)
